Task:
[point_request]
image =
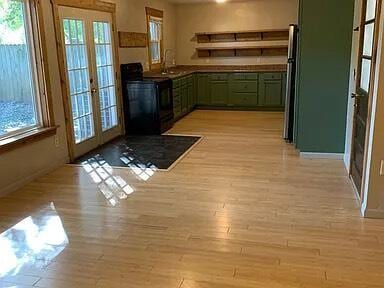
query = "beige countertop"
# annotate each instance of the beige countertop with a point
(180, 71)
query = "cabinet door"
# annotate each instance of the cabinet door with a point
(219, 93)
(270, 91)
(194, 92)
(203, 91)
(184, 99)
(176, 102)
(243, 99)
(190, 96)
(284, 88)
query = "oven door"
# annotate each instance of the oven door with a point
(165, 99)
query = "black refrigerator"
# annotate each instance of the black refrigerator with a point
(291, 84)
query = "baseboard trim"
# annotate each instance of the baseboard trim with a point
(374, 213)
(22, 182)
(311, 155)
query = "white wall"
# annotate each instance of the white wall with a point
(230, 16)
(32, 160)
(352, 85)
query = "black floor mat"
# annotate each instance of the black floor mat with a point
(154, 151)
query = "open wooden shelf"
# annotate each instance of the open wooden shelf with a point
(243, 36)
(275, 50)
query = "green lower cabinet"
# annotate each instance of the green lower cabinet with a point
(190, 88)
(284, 88)
(203, 90)
(244, 90)
(219, 93)
(194, 91)
(184, 95)
(219, 86)
(264, 91)
(271, 90)
(270, 93)
(190, 97)
(243, 99)
(184, 99)
(176, 103)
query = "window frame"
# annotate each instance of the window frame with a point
(154, 15)
(37, 49)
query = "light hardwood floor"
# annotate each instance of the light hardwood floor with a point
(240, 210)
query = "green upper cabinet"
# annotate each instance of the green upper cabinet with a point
(271, 90)
(203, 90)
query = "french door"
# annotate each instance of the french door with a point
(365, 75)
(87, 39)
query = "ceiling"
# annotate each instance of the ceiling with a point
(199, 1)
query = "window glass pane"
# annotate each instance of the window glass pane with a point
(153, 31)
(78, 76)
(371, 9)
(365, 74)
(18, 87)
(368, 39)
(155, 52)
(159, 31)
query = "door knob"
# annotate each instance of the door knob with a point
(93, 90)
(355, 95)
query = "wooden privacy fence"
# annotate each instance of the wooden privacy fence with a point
(15, 84)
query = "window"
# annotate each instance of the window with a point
(155, 37)
(23, 90)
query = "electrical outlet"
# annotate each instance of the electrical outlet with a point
(57, 142)
(382, 168)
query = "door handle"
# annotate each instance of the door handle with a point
(356, 96)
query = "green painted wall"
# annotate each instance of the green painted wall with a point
(325, 43)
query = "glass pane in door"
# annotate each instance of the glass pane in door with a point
(105, 74)
(78, 76)
(365, 74)
(371, 10)
(368, 39)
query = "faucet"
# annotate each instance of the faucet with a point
(164, 66)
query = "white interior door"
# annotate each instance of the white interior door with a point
(89, 62)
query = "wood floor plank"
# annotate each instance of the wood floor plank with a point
(242, 210)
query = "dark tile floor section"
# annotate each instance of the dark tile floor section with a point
(154, 151)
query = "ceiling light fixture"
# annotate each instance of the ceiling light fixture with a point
(221, 1)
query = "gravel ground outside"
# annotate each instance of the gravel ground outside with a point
(15, 115)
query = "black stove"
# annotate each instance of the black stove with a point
(148, 102)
